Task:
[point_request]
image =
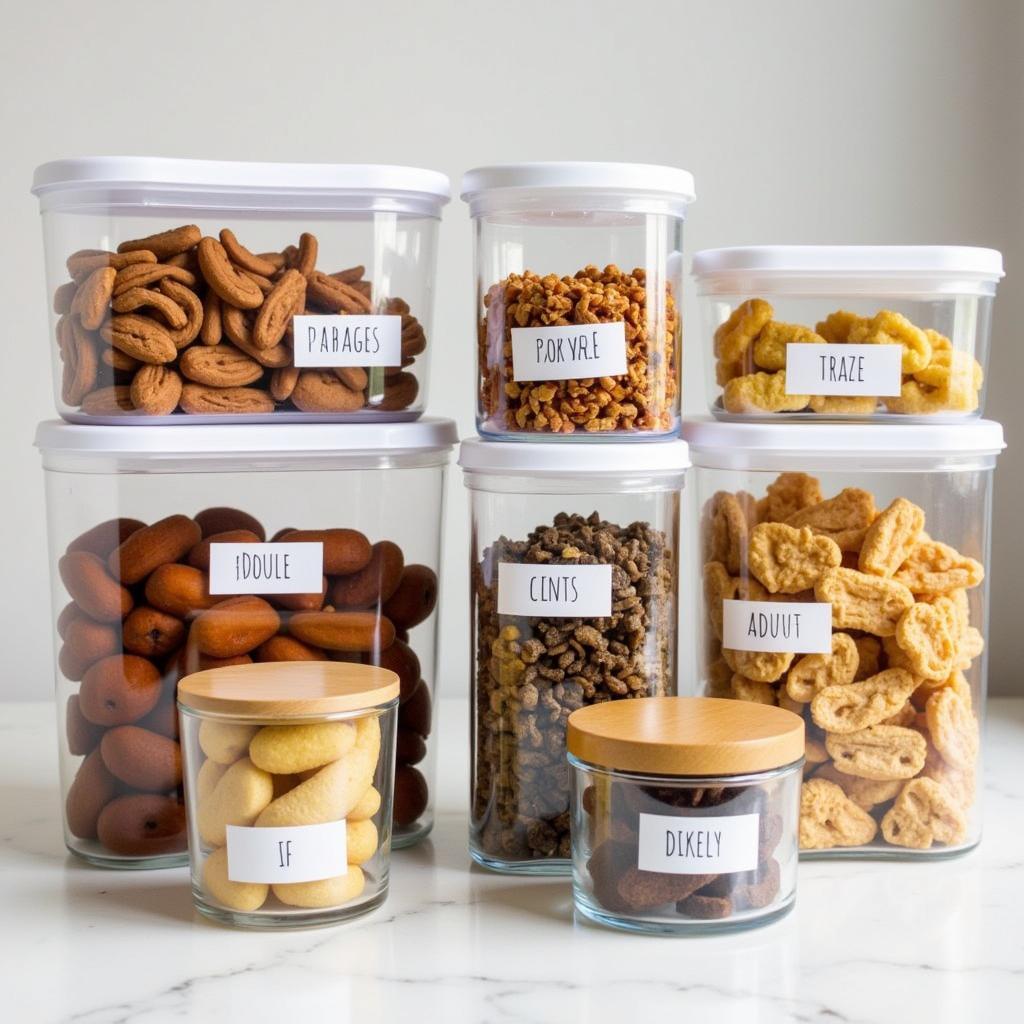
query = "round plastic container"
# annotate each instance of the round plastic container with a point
(684, 813)
(846, 332)
(579, 277)
(186, 291)
(844, 578)
(288, 778)
(574, 588)
(174, 551)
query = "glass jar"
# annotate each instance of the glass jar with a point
(684, 813)
(578, 295)
(185, 291)
(574, 586)
(843, 573)
(288, 779)
(173, 551)
(846, 332)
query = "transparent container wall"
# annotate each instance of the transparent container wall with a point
(377, 264)
(611, 887)
(544, 269)
(130, 655)
(530, 672)
(893, 761)
(758, 369)
(242, 782)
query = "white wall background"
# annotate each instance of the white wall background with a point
(817, 121)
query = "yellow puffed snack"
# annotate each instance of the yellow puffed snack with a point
(764, 392)
(367, 807)
(360, 841)
(334, 790)
(888, 327)
(289, 749)
(242, 792)
(236, 895)
(331, 892)
(207, 777)
(224, 742)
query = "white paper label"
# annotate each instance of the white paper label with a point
(354, 340)
(569, 353)
(279, 568)
(843, 369)
(801, 627)
(293, 853)
(698, 846)
(558, 591)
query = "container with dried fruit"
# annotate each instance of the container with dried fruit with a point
(199, 290)
(578, 295)
(288, 783)
(574, 578)
(174, 551)
(684, 813)
(846, 332)
(843, 576)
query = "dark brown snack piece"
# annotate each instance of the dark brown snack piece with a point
(222, 518)
(165, 244)
(705, 908)
(143, 825)
(92, 789)
(411, 795)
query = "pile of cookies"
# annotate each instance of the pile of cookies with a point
(892, 737)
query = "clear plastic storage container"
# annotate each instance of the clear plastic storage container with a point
(174, 551)
(843, 572)
(574, 587)
(684, 813)
(579, 279)
(846, 331)
(192, 290)
(288, 781)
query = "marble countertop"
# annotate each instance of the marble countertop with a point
(869, 941)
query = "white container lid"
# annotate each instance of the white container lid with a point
(560, 185)
(848, 270)
(537, 459)
(715, 444)
(238, 448)
(103, 181)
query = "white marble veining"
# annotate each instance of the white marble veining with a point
(868, 941)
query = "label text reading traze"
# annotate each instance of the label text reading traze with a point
(843, 370)
(800, 627)
(569, 352)
(350, 340)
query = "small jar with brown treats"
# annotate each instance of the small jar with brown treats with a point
(574, 586)
(579, 289)
(185, 291)
(842, 575)
(289, 774)
(684, 813)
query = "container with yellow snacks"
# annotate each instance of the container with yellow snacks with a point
(289, 772)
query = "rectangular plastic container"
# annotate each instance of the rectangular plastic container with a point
(574, 601)
(185, 291)
(174, 551)
(844, 569)
(846, 332)
(578, 299)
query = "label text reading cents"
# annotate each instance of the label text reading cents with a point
(280, 568)
(800, 627)
(354, 340)
(834, 370)
(558, 591)
(569, 353)
(697, 846)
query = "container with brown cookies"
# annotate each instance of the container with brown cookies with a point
(176, 551)
(288, 783)
(842, 569)
(684, 813)
(574, 585)
(184, 291)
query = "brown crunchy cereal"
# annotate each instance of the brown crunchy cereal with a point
(850, 707)
(891, 538)
(761, 392)
(844, 518)
(935, 568)
(787, 495)
(828, 818)
(787, 560)
(813, 672)
(924, 813)
(880, 752)
(952, 727)
(868, 603)
(925, 637)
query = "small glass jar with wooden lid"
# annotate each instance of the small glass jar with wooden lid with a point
(289, 778)
(685, 813)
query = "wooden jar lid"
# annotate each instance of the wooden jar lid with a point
(698, 736)
(288, 689)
